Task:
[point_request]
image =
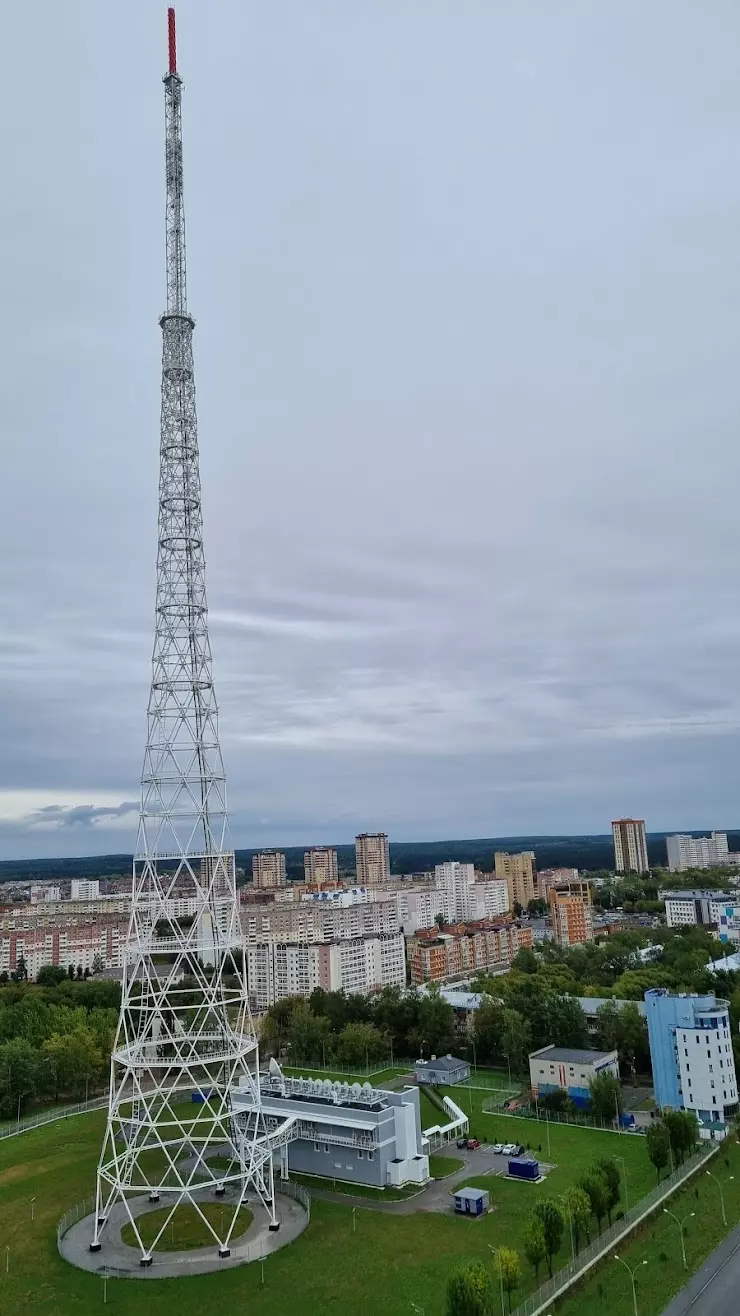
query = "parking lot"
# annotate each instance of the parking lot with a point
(487, 1160)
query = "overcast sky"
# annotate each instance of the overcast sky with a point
(466, 278)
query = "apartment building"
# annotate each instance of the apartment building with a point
(84, 889)
(460, 949)
(372, 859)
(519, 871)
(547, 877)
(268, 869)
(709, 908)
(630, 846)
(76, 942)
(318, 920)
(571, 912)
(362, 964)
(320, 865)
(696, 851)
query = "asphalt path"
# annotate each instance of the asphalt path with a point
(715, 1289)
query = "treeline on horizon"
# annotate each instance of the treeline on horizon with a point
(592, 853)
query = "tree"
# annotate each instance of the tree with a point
(596, 1191)
(516, 1038)
(439, 919)
(70, 972)
(525, 960)
(658, 1145)
(578, 1207)
(553, 1224)
(309, 1035)
(20, 973)
(470, 1292)
(606, 1096)
(50, 975)
(359, 1043)
(533, 1242)
(557, 1100)
(683, 1132)
(97, 964)
(510, 1269)
(20, 1076)
(607, 1026)
(609, 1172)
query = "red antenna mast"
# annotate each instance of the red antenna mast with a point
(171, 40)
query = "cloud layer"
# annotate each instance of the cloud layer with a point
(468, 301)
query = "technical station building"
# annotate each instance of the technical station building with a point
(337, 1130)
(570, 1068)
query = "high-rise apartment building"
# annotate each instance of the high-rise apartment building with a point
(84, 888)
(372, 858)
(572, 914)
(268, 869)
(697, 851)
(364, 964)
(320, 865)
(630, 846)
(520, 872)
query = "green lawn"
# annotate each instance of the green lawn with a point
(383, 1266)
(441, 1166)
(658, 1243)
(186, 1228)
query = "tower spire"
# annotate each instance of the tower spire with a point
(185, 1024)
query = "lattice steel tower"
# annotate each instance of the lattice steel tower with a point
(185, 1025)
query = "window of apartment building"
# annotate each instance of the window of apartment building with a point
(325, 1147)
(711, 1069)
(360, 1154)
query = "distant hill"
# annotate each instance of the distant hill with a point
(589, 852)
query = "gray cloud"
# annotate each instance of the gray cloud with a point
(466, 289)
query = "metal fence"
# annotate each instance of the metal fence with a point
(589, 1256)
(72, 1216)
(496, 1107)
(50, 1116)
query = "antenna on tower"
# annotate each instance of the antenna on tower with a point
(185, 1027)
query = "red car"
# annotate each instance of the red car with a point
(473, 1144)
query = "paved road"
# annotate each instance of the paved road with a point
(715, 1289)
(436, 1196)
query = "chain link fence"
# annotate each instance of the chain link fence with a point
(495, 1106)
(50, 1116)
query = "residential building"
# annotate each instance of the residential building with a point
(696, 851)
(452, 881)
(268, 869)
(519, 871)
(487, 898)
(630, 846)
(45, 892)
(464, 1006)
(78, 941)
(692, 1060)
(320, 865)
(712, 908)
(318, 920)
(442, 1071)
(362, 964)
(570, 1068)
(346, 1131)
(459, 949)
(547, 877)
(372, 859)
(418, 907)
(572, 914)
(84, 888)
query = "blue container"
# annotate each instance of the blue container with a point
(524, 1169)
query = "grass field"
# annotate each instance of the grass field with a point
(186, 1229)
(389, 1262)
(357, 1189)
(441, 1166)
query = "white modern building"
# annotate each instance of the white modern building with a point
(692, 1060)
(363, 964)
(463, 899)
(696, 851)
(712, 908)
(84, 888)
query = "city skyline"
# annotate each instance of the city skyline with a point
(471, 554)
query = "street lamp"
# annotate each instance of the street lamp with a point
(631, 1272)
(680, 1224)
(721, 1194)
(497, 1255)
(33, 1200)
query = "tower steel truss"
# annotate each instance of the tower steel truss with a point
(185, 1029)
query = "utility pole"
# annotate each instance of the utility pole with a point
(631, 1272)
(183, 849)
(680, 1224)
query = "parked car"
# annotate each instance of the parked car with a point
(473, 1144)
(462, 1142)
(497, 1148)
(512, 1149)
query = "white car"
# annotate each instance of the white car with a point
(510, 1149)
(498, 1149)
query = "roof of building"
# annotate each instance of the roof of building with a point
(570, 1055)
(698, 894)
(456, 997)
(590, 1004)
(471, 1194)
(442, 1062)
(728, 963)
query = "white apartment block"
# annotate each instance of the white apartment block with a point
(487, 900)
(705, 907)
(372, 859)
(318, 921)
(696, 851)
(320, 865)
(85, 889)
(630, 846)
(43, 892)
(76, 943)
(268, 869)
(452, 881)
(364, 964)
(418, 907)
